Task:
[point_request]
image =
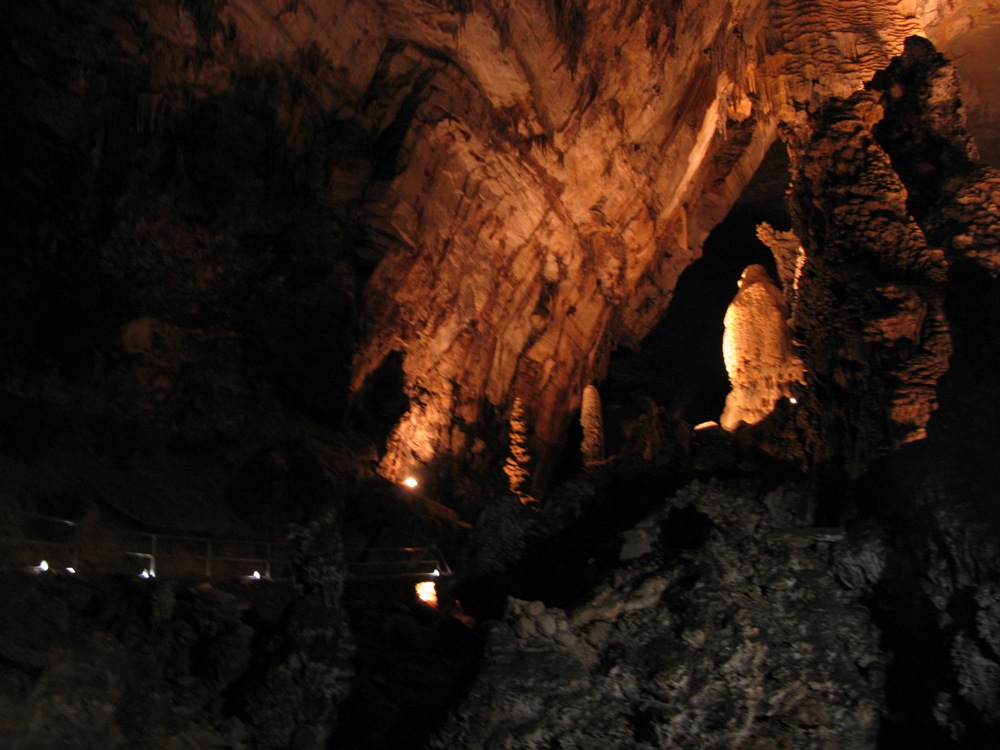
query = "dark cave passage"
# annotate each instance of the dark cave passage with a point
(679, 365)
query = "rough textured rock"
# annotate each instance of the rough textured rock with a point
(589, 196)
(789, 257)
(728, 631)
(955, 198)
(233, 226)
(592, 422)
(95, 661)
(870, 315)
(498, 538)
(307, 673)
(104, 663)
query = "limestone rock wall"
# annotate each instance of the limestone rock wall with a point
(498, 192)
(540, 226)
(897, 218)
(870, 316)
(556, 218)
(955, 199)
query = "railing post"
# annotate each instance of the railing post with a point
(152, 555)
(267, 562)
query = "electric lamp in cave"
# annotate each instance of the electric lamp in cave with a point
(411, 483)
(427, 593)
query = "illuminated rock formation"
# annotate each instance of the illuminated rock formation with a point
(789, 257)
(517, 467)
(757, 349)
(256, 251)
(498, 194)
(592, 422)
(542, 217)
(870, 315)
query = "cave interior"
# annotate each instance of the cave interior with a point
(661, 337)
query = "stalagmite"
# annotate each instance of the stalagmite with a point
(592, 422)
(757, 350)
(518, 459)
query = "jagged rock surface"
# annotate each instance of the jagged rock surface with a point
(223, 217)
(119, 664)
(726, 627)
(955, 199)
(870, 315)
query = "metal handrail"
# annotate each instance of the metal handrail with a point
(376, 562)
(210, 556)
(409, 562)
(151, 550)
(72, 545)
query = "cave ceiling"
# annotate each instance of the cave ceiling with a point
(517, 185)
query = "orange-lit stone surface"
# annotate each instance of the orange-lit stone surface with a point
(757, 349)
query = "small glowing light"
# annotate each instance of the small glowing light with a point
(146, 573)
(256, 575)
(792, 400)
(427, 593)
(436, 573)
(410, 482)
(71, 570)
(42, 566)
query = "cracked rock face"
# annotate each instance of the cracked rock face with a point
(870, 314)
(544, 225)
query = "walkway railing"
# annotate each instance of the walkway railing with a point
(209, 557)
(62, 544)
(45, 538)
(67, 545)
(397, 562)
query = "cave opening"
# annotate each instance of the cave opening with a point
(679, 366)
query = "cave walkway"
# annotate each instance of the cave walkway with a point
(42, 543)
(375, 563)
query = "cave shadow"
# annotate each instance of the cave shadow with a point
(679, 365)
(412, 664)
(564, 569)
(899, 495)
(381, 402)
